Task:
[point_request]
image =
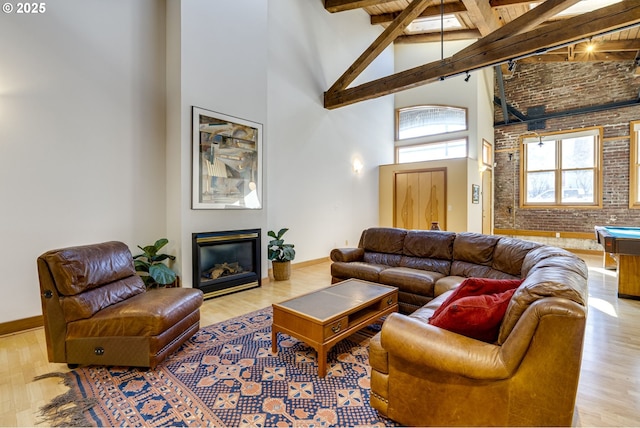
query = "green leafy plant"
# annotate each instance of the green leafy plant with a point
(150, 264)
(278, 250)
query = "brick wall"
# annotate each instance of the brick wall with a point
(560, 87)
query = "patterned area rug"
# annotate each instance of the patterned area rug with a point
(226, 375)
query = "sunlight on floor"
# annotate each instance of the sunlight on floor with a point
(607, 272)
(603, 306)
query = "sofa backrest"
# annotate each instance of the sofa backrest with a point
(465, 254)
(92, 277)
(473, 256)
(383, 245)
(509, 255)
(383, 240)
(557, 273)
(428, 250)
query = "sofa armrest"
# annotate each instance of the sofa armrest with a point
(425, 345)
(347, 254)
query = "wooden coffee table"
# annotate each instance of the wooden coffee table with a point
(324, 317)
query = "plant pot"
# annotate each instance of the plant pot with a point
(174, 284)
(281, 270)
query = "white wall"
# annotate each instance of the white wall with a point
(95, 135)
(82, 134)
(217, 60)
(274, 71)
(312, 187)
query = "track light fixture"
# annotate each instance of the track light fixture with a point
(466, 79)
(511, 65)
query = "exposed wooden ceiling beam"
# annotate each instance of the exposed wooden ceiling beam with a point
(415, 8)
(507, 3)
(603, 47)
(342, 5)
(429, 12)
(435, 37)
(611, 18)
(579, 57)
(483, 15)
(523, 23)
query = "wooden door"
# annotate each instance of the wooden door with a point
(420, 199)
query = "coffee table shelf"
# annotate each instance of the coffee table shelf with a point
(324, 317)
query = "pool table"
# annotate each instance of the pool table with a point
(623, 244)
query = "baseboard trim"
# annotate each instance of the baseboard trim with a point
(310, 262)
(298, 266)
(589, 252)
(38, 321)
(21, 325)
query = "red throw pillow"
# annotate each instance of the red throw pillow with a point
(477, 287)
(478, 317)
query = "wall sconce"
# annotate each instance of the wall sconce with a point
(357, 166)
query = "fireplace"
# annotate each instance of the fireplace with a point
(226, 262)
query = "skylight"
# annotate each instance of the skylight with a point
(584, 6)
(431, 24)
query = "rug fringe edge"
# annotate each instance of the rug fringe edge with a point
(67, 409)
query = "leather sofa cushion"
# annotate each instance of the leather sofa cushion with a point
(447, 283)
(383, 240)
(546, 282)
(429, 244)
(382, 258)
(88, 303)
(364, 271)
(474, 248)
(510, 253)
(410, 280)
(478, 316)
(81, 268)
(426, 311)
(147, 314)
(468, 270)
(409, 302)
(541, 253)
(434, 265)
(563, 262)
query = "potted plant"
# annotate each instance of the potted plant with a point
(150, 265)
(280, 255)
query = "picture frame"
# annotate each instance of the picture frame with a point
(475, 193)
(227, 161)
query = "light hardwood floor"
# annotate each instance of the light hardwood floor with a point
(608, 395)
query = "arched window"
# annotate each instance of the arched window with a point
(420, 121)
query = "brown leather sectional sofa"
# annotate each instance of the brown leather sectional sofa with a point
(423, 375)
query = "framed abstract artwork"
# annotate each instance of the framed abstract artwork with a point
(227, 161)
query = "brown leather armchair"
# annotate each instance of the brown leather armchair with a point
(97, 310)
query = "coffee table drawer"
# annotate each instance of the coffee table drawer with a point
(389, 301)
(335, 327)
